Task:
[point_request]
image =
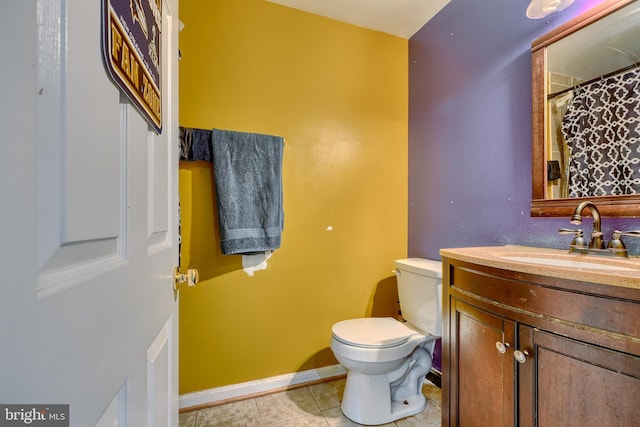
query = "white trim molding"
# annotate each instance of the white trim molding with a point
(257, 387)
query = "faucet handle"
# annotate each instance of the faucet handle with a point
(630, 233)
(578, 240)
(616, 242)
(569, 231)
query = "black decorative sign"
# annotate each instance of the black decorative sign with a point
(131, 38)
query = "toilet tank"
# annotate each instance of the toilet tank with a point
(420, 292)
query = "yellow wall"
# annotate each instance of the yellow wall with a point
(338, 95)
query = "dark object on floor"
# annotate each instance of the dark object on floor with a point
(435, 378)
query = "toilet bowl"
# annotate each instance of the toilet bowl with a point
(387, 359)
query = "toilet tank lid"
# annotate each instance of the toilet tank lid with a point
(424, 267)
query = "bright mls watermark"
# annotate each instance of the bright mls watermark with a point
(34, 415)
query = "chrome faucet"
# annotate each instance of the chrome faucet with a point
(596, 242)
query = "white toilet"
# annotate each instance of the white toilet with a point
(386, 359)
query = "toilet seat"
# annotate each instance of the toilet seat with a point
(372, 332)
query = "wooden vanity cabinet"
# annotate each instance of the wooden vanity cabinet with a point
(578, 346)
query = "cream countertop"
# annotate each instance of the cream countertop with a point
(600, 269)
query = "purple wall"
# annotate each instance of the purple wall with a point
(470, 130)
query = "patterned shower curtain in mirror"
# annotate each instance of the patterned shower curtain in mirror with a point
(602, 130)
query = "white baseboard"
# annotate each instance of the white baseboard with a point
(218, 394)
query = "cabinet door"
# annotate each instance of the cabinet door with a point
(564, 382)
(482, 377)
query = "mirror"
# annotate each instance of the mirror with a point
(586, 113)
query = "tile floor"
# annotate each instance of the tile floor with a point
(314, 405)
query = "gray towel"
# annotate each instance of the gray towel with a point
(248, 178)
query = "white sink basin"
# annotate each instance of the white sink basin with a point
(591, 263)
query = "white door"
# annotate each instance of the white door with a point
(88, 224)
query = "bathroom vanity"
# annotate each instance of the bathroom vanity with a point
(539, 337)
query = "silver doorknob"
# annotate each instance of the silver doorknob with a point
(502, 347)
(191, 278)
(521, 356)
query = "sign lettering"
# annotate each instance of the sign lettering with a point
(131, 51)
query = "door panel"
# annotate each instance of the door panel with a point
(159, 185)
(576, 383)
(89, 223)
(482, 377)
(81, 219)
(159, 365)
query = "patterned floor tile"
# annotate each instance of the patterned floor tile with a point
(312, 406)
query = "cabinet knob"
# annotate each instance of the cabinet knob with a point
(502, 347)
(521, 356)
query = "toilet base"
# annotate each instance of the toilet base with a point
(367, 400)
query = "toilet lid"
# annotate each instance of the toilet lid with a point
(372, 332)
